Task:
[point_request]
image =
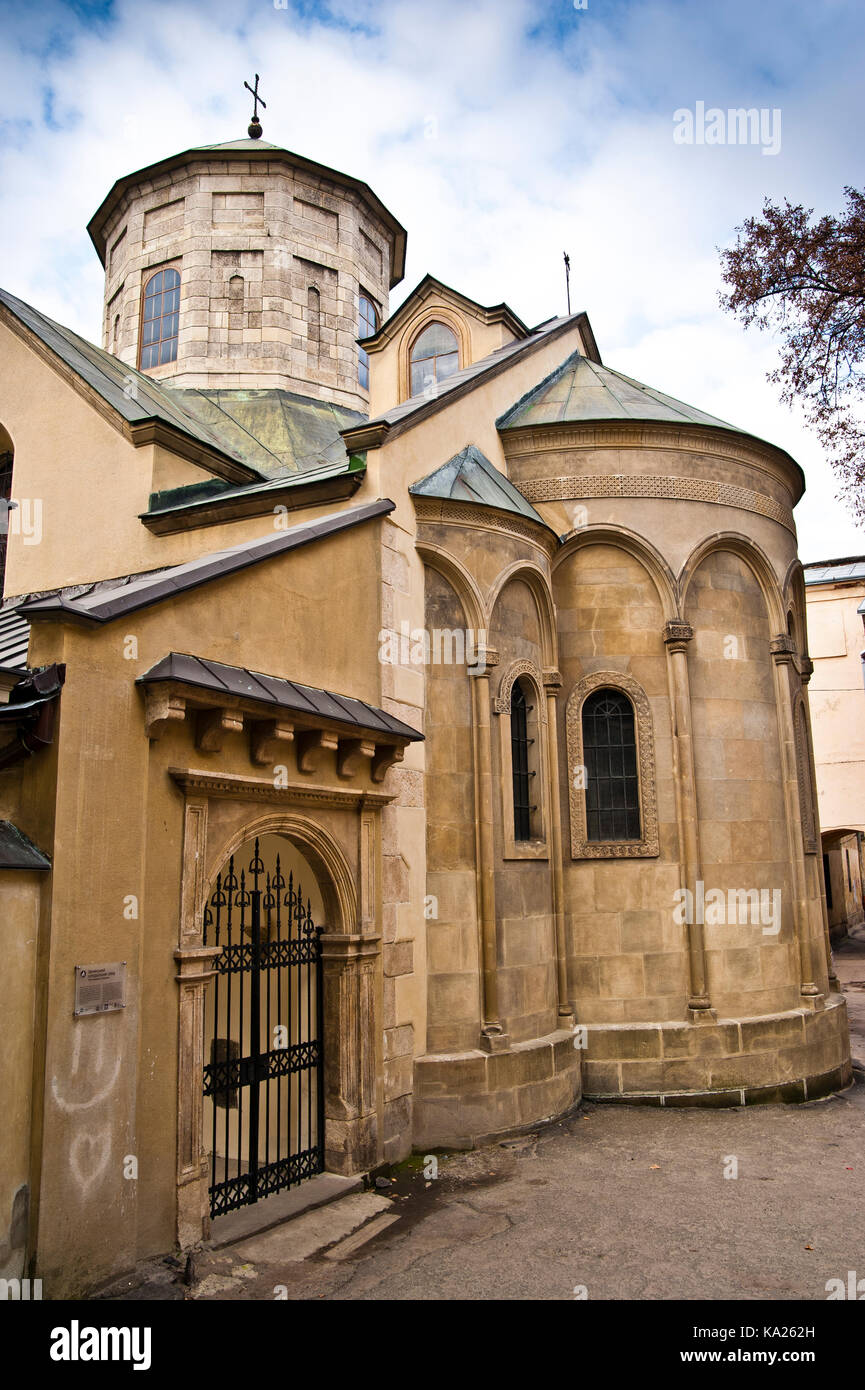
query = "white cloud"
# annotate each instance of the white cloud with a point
(553, 131)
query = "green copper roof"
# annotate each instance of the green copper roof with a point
(272, 433)
(580, 391)
(470, 477)
(276, 432)
(136, 397)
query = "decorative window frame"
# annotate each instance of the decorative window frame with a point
(538, 847)
(581, 846)
(435, 313)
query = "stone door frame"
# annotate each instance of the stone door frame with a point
(351, 965)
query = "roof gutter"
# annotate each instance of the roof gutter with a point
(32, 708)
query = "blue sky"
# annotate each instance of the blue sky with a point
(499, 133)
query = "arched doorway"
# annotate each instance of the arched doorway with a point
(263, 1062)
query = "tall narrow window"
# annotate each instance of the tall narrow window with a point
(612, 784)
(160, 318)
(5, 494)
(434, 357)
(367, 324)
(313, 324)
(522, 783)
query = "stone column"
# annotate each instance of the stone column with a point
(493, 1037)
(195, 968)
(350, 1029)
(677, 635)
(782, 648)
(552, 685)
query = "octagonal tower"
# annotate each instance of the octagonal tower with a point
(243, 265)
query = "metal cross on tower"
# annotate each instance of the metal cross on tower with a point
(255, 123)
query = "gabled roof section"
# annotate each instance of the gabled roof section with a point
(494, 313)
(254, 151)
(104, 603)
(470, 477)
(143, 406)
(581, 390)
(411, 412)
(276, 691)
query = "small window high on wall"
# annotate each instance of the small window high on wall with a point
(160, 314)
(434, 357)
(612, 785)
(367, 324)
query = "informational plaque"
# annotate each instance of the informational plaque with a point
(100, 988)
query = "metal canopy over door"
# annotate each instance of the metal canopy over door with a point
(264, 1079)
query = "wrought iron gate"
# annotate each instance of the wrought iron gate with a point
(265, 1077)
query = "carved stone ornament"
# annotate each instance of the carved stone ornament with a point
(581, 846)
(502, 702)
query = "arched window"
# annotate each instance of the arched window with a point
(5, 495)
(367, 324)
(434, 357)
(520, 745)
(612, 783)
(159, 319)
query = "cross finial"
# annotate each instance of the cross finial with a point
(255, 124)
(568, 279)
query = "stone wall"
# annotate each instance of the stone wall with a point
(271, 258)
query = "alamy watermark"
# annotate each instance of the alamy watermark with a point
(439, 646)
(738, 906)
(22, 518)
(736, 126)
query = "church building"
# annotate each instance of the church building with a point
(404, 727)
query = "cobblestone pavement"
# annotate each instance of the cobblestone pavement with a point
(624, 1201)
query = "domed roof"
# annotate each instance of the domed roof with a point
(581, 390)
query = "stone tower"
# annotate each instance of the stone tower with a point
(273, 254)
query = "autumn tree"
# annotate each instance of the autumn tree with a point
(804, 279)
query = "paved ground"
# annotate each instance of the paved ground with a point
(624, 1202)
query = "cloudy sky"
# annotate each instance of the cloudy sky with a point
(500, 132)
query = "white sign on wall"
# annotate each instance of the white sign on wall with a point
(100, 988)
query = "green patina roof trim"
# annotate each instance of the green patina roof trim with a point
(504, 420)
(581, 391)
(470, 477)
(190, 492)
(193, 494)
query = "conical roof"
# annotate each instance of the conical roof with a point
(580, 391)
(470, 477)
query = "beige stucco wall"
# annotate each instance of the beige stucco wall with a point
(112, 1080)
(837, 694)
